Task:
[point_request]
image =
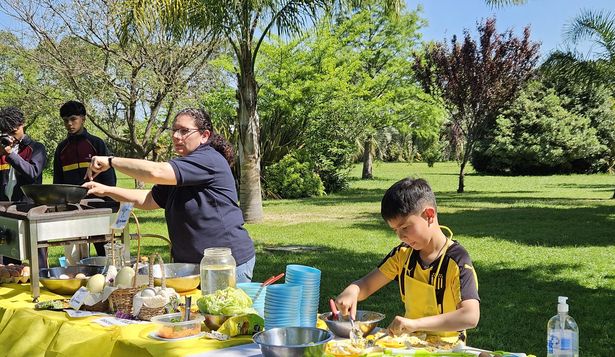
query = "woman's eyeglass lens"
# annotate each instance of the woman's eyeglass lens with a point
(182, 131)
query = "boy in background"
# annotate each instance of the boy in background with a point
(71, 160)
(22, 161)
(436, 279)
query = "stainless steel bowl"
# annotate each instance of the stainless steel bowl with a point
(180, 276)
(50, 278)
(101, 261)
(293, 341)
(366, 321)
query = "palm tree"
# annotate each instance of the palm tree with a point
(599, 28)
(244, 24)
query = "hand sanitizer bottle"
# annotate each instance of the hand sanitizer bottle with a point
(562, 333)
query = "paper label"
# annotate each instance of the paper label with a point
(123, 215)
(77, 299)
(114, 321)
(75, 313)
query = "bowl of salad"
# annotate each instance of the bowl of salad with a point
(172, 326)
(222, 304)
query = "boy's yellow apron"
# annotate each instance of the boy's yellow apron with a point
(421, 299)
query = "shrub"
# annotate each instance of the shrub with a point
(290, 178)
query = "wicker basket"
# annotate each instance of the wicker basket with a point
(101, 306)
(146, 313)
(121, 299)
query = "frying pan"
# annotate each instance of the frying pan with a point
(57, 194)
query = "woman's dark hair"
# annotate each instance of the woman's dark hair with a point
(407, 196)
(71, 108)
(10, 119)
(202, 120)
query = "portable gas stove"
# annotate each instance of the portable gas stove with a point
(25, 227)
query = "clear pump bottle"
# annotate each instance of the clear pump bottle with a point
(217, 270)
(562, 333)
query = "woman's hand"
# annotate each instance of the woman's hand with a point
(95, 188)
(98, 164)
(401, 325)
(347, 300)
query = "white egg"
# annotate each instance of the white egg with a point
(96, 283)
(124, 277)
(148, 292)
(80, 276)
(64, 276)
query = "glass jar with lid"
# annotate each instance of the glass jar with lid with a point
(217, 270)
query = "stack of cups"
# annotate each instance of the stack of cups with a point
(309, 279)
(282, 302)
(252, 289)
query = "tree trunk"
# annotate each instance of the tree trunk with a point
(461, 177)
(367, 159)
(250, 197)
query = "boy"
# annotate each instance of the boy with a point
(436, 279)
(21, 163)
(71, 161)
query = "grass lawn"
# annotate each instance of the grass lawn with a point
(531, 239)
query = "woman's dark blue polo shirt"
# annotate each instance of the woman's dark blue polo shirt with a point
(202, 209)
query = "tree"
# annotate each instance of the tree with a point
(121, 76)
(245, 24)
(599, 28)
(476, 81)
(538, 135)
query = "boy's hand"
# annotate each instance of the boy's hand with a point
(347, 301)
(401, 325)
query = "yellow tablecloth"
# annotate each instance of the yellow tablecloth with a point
(28, 332)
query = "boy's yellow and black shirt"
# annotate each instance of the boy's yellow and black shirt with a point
(457, 273)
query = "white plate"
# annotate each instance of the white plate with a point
(155, 336)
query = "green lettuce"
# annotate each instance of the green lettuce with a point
(230, 301)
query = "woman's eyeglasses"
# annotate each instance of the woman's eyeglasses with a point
(182, 131)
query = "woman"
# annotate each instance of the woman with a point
(197, 191)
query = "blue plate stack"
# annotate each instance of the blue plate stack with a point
(309, 278)
(252, 289)
(282, 302)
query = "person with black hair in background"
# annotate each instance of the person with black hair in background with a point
(197, 191)
(22, 161)
(71, 160)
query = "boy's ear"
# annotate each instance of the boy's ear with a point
(429, 214)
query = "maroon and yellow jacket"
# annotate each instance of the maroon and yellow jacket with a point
(28, 161)
(73, 156)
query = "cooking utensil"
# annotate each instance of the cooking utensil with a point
(54, 194)
(50, 278)
(372, 343)
(269, 281)
(188, 305)
(293, 341)
(335, 314)
(355, 334)
(367, 321)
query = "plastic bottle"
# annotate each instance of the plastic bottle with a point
(217, 270)
(562, 333)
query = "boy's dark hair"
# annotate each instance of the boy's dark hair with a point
(202, 120)
(10, 119)
(407, 196)
(71, 108)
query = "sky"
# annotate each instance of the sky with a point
(546, 18)
(450, 17)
